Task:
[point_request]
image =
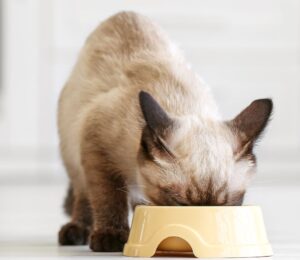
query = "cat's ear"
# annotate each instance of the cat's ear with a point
(159, 126)
(250, 123)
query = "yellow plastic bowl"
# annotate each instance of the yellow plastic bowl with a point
(204, 231)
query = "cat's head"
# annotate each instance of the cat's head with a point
(192, 161)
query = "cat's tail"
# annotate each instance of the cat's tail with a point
(69, 201)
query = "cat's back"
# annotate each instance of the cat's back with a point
(102, 66)
(108, 52)
(127, 33)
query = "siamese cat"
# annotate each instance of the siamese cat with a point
(138, 126)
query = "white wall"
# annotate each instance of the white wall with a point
(243, 49)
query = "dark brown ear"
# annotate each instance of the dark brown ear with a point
(251, 122)
(158, 126)
(156, 118)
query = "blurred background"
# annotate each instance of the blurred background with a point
(243, 49)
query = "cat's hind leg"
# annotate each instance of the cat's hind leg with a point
(77, 205)
(76, 232)
(69, 201)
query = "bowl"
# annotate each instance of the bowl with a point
(229, 231)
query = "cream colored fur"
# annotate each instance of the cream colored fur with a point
(124, 55)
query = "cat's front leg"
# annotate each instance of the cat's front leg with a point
(108, 198)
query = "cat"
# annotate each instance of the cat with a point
(138, 126)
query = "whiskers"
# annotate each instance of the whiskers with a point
(146, 201)
(136, 194)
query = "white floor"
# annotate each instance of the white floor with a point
(31, 214)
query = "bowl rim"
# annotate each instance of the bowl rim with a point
(196, 207)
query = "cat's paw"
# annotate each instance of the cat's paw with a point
(73, 234)
(109, 240)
